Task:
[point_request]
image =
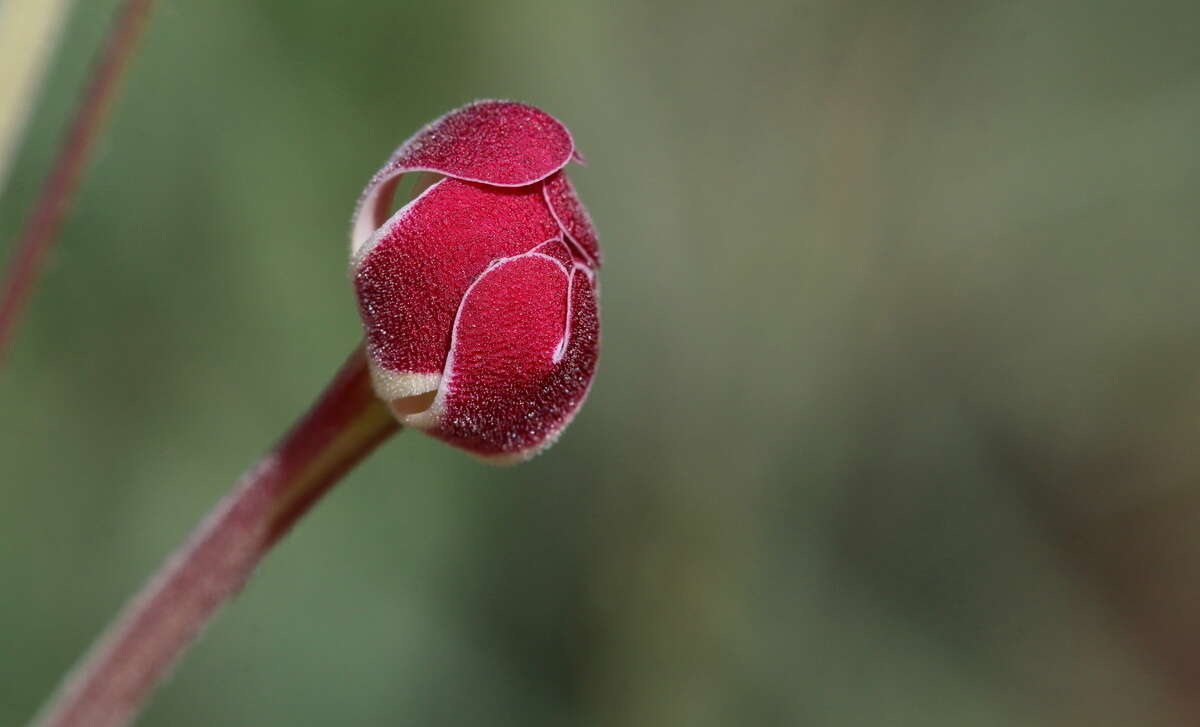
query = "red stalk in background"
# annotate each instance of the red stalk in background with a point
(41, 229)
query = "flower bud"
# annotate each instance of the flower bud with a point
(479, 296)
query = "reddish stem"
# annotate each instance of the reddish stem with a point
(42, 226)
(112, 682)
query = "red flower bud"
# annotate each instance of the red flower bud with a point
(479, 296)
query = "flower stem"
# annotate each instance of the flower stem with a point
(41, 228)
(113, 681)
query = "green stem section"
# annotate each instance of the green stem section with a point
(42, 227)
(116, 677)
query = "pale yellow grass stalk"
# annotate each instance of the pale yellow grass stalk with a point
(29, 34)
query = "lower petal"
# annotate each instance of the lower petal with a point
(523, 354)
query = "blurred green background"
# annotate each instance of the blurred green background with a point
(898, 414)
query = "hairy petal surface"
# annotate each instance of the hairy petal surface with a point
(572, 216)
(500, 143)
(525, 346)
(411, 275)
(558, 250)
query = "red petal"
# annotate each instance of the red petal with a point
(558, 250)
(572, 216)
(526, 342)
(502, 143)
(411, 275)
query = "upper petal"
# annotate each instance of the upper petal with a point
(501, 143)
(411, 275)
